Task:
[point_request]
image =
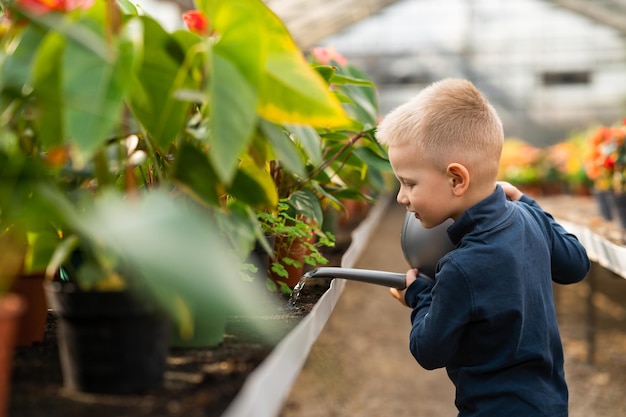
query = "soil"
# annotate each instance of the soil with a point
(360, 365)
(198, 382)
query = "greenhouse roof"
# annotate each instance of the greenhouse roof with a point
(610, 13)
(310, 21)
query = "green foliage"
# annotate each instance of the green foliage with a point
(291, 228)
(103, 109)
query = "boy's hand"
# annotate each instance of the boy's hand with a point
(511, 191)
(411, 275)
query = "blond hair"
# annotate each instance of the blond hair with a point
(449, 121)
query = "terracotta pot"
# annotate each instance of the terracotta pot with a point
(295, 251)
(33, 322)
(11, 307)
(354, 212)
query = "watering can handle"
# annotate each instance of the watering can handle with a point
(384, 278)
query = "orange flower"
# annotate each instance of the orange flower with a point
(196, 22)
(57, 156)
(605, 157)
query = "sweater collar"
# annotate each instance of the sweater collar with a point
(479, 217)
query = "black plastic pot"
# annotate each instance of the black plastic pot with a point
(261, 259)
(109, 342)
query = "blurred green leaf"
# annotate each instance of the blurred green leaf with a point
(254, 186)
(193, 171)
(232, 116)
(47, 83)
(17, 66)
(164, 70)
(310, 141)
(93, 90)
(285, 150)
(174, 250)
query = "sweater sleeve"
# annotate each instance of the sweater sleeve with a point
(570, 263)
(441, 309)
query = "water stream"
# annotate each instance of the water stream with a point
(297, 289)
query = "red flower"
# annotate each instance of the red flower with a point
(39, 7)
(609, 162)
(196, 22)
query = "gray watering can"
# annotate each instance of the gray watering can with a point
(422, 248)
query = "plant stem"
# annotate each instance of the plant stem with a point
(327, 162)
(101, 168)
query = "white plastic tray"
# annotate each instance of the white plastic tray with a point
(606, 253)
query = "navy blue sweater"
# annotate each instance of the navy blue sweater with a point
(488, 317)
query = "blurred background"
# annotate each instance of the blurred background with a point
(550, 67)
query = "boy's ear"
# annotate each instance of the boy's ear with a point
(458, 177)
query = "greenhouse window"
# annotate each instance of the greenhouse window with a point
(566, 78)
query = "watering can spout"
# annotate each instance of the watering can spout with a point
(421, 247)
(384, 278)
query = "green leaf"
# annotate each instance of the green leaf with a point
(237, 66)
(93, 92)
(242, 39)
(254, 186)
(193, 171)
(47, 84)
(344, 79)
(362, 109)
(306, 203)
(16, 68)
(285, 150)
(41, 246)
(310, 141)
(372, 159)
(174, 249)
(127, 7)
(232, 116)
(82, 33)
(363, 100)
(163, 71)
(292, 92)
(326, 71)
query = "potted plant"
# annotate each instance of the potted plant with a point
(121, 107)
(330, 167)
(605, 165)
(297, 243)
(149, 264)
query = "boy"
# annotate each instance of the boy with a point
(488, 315)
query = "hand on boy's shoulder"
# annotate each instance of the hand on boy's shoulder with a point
(511, 191)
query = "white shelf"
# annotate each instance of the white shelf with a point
(600, 250)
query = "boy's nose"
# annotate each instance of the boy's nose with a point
(401, 198)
